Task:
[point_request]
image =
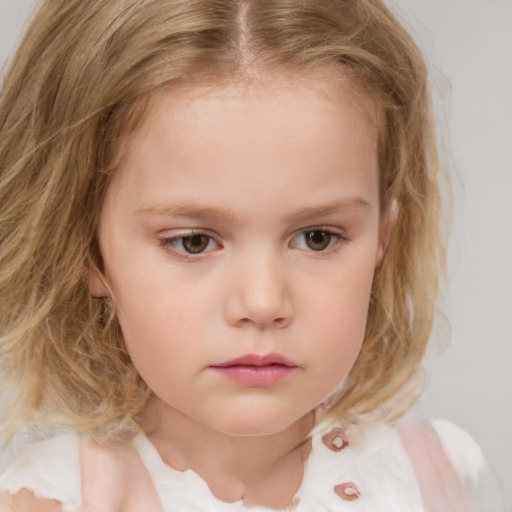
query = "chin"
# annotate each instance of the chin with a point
(254, 425)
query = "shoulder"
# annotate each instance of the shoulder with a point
(412, 465)
(26, 501)
(114, 478)
(448, 464)
(48, 469)
(69, 473)
(464, 454)
(359, 461)
(444, 444)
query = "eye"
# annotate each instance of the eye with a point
(190, 243)
(317, 239)
(195, 244)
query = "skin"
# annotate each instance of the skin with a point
(25, 501)
(129, 487)
(125, 484)
(254, 171)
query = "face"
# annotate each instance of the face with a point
(240, 237)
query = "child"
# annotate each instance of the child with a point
(219, 261)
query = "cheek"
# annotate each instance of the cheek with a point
(341, 297)
(159, 322)
(155, 316)
(338, 315)
(150, 292)
(162, 346)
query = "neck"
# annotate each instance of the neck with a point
(262, 470)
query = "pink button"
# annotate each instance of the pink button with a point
(335, 440)
(347, 491)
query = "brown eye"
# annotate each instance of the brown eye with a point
(318, 240)
(195, 244)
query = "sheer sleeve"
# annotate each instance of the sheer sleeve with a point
(469, 463)
(49, 469)
(452, 472)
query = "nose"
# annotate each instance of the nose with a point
(260, 294)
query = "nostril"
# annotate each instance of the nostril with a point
(282, 321)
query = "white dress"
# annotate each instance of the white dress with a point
(364, 468)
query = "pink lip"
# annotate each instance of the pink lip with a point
(254, 370)
(257, 360)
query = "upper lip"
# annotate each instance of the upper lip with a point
(257, 360)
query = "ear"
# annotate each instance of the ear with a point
(96, 282)
(387, 224)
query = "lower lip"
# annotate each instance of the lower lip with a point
(255, 376)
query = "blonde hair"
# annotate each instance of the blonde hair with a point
(81, 80)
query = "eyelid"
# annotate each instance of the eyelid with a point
(168, 244)
(339, 234)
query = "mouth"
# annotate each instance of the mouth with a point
(253, 370)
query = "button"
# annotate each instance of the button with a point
(335, 440)
(347, 491)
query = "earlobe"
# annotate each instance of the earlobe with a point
(386, 229)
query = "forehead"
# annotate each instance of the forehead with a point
(208, 138)
(324, 89)
(330, 85)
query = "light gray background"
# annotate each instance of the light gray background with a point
(468, 46)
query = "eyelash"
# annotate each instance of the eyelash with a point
(169, 244)
(336, 240)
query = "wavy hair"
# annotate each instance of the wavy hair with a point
(80, 82)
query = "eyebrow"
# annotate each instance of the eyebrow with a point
(352, 203)
(191, 211)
